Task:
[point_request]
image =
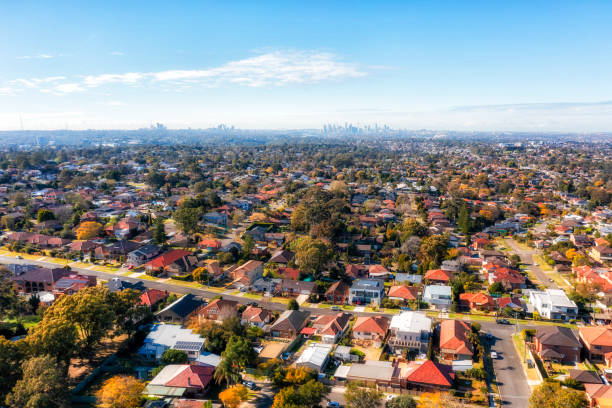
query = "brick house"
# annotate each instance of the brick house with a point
(557, 343)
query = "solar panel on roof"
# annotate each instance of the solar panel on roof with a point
(189, 345)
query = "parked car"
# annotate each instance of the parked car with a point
(333, 404)
(493, 355)
(502, 321)
(336, 308)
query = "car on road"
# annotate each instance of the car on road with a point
(336, 308)
(19, 257)
(333, 404)
(502, 321)
(489, 336)
(250, 385)
(493, 355)
(252, 304)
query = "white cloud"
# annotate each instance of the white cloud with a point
(117, 53)
(270, 69)
(37, 56)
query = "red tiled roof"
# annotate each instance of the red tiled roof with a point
(168, 258)
(431, 373)
(404, 292)
(192, 376)
(152, 296)
(453, 336)
(438, 275)
(372, 324)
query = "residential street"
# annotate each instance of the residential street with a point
(526, 256)
(512, 381)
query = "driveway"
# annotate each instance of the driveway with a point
(526, 256)
(511, 380)
(264, 397)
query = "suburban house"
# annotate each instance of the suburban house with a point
(371, 328)
(245, 274)
(477, 301)
(255, 316)
(295, 288)
(597, 341)
(289, 324)
(585, 376)
(409, 331)
(555, 343)
(151, 297)
(72, 283)
(439, 276)
(143, 254)
(315, 356)
(180, 310)
(367, 291)
(601, 253)
(599, 395)
(177, 380)
(372, 373)
(437, 296)
(331, 327)
(173, 262)
(454, 341)
(337, 292)
(38, 279)
(281, 257)
(218, 310)
(403, 293)
(553, 304)
(429, 376)
(166, 336)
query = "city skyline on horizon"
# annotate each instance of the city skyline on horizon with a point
(468, 67)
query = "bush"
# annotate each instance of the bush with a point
(184, 278)
(356, 352)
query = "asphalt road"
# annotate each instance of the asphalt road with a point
(513, 385)
(526, 256)
(511, 380)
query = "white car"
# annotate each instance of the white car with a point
(493, 355)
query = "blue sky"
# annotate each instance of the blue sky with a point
(440, 65)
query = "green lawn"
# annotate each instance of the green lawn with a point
(27, 321)
(253, 296)
(147, 277)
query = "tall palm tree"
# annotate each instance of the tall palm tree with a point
(226, 371)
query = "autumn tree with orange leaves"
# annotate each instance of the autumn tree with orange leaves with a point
(120, 391)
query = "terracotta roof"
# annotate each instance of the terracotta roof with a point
(431, 373)
(438, 275)
(192, 376)
(477, 298)
(372, 324)
(454, 336)
(596, 391)
(152, 296)
(168, 258)
(597, 335)
(404, 292)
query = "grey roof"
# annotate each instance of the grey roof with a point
(290, 320)
(368, 371)
(557, 336)
(183, 306)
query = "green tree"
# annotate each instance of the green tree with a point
(54, 337)
(172, 356)
(433, 249)
(43, 385)
(11, 355)
(159, 233)
(248, 243)
(552, 395)
(10, 303)
(187, 218)
(227, 372)
(293, 305)
(44, 215)
(463, 220)
(402, 401)
(89, 310)
(361, 397)
(311, 255)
